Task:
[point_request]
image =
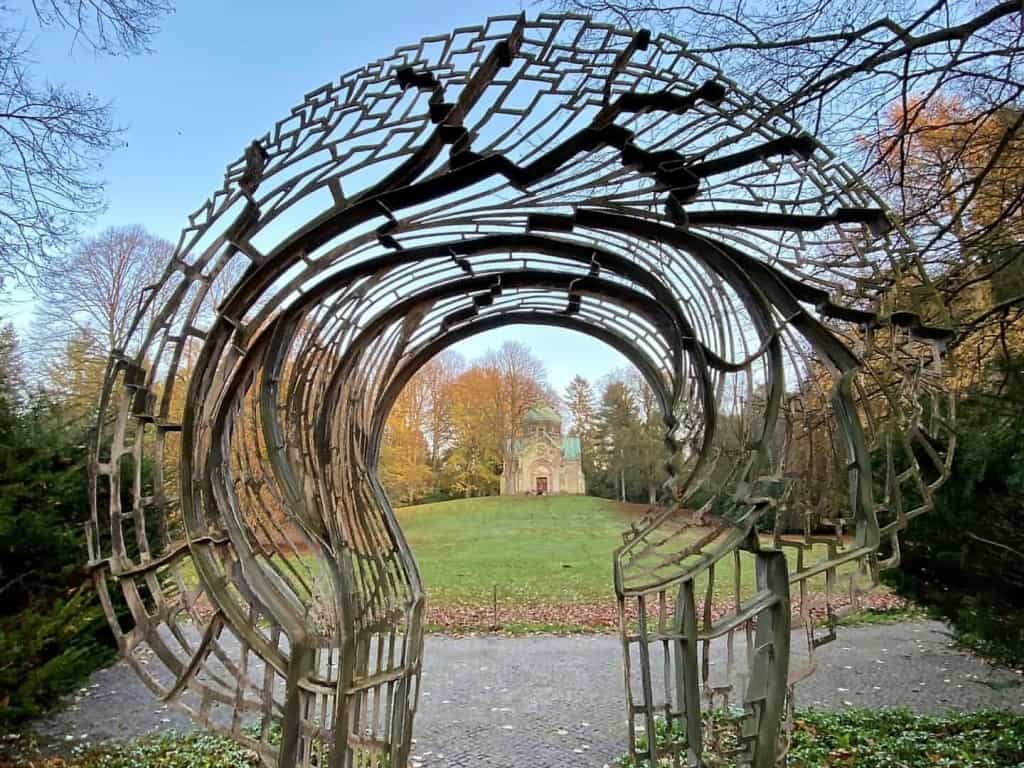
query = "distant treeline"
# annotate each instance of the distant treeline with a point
(449, 430)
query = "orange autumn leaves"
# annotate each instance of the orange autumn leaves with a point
(449, 429)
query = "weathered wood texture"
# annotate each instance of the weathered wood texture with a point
(557, 172)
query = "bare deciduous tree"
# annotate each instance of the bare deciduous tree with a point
(98, 287)
(53, 137)
(864, 77)
(438, 375)
(117, 27)
(522, 384)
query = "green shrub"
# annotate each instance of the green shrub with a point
(195, 750)
(169, 750)
(889, 738)
(883, 738)
(965, 559)
(52, 630)
(46, 654)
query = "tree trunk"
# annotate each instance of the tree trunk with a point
(622, 485)
(652, 493)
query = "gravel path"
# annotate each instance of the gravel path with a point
(555, 702)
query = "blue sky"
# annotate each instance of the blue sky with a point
(565, 353)
(220, 75)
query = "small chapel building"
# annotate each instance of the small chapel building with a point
(542, 461)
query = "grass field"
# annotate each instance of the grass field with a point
(548, 558)
(547, 561)
(548, 548)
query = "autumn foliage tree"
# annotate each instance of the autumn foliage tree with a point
(836, 66)
(520, 384)
(953, 173)
(74, 375)
(436, 379)
(404, 461)
(449, 431)
(473, 466)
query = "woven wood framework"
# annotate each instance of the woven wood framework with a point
(557, 172)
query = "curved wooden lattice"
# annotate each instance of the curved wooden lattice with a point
(556, 172)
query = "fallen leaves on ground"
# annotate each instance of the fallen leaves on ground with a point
(525, 617)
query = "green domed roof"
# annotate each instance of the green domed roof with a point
(543, 413)
(571, 448)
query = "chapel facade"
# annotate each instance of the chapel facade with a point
(543, 461)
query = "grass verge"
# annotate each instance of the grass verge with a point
(884, 738)
(167, 750)
(861, 738)
(529, 565)
(886, 615)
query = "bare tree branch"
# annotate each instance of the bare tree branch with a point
(53, 138)
(96, 288)
(881, 84)
(117, 27)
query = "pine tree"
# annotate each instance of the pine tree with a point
(579, 399)
(650, 452)
(12, 384)
(52, 630)
(618, 433)
(42, 490)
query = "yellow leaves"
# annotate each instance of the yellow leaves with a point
(945, 160)
(404, 468)
(449, 427)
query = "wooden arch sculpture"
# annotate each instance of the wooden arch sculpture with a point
(554, 171)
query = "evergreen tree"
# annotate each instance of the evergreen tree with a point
(650, 453)
(618, 433)
(52, 630)
(43, 503)
(12, 384)
(579, 399)
(964, 558)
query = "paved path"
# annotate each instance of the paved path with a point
(555, 702)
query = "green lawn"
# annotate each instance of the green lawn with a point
(549, 558)
(551, 548)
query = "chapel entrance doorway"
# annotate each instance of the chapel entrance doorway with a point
(542, 486)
